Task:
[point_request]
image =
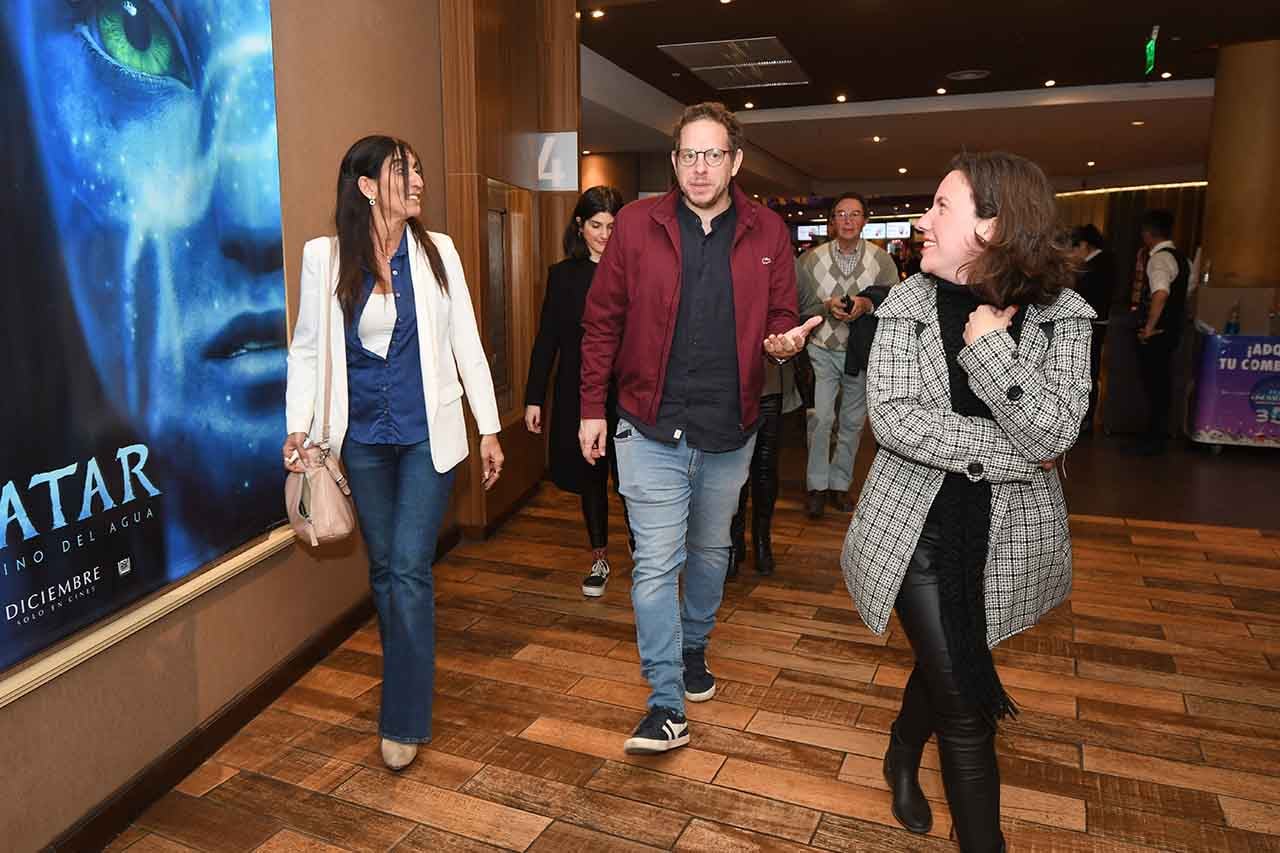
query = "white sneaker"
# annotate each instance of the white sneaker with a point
(398, 756)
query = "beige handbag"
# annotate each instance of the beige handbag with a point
(318, 500)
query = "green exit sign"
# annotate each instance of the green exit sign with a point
(1151, 49)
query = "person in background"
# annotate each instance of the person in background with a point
(828, 281)
(693, 285)
(396, 300)
(978, 380)
(1095, 281)
(1161, 310)
(780, 397)
(560, 333)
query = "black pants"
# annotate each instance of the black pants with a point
(762, 481)
(1155, 365)
(1095, 371)
(595, 505)
(933, 703)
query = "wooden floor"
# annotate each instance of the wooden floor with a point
(1151, 714)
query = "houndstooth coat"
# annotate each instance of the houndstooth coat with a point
(1037, 390)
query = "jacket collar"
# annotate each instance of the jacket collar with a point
(916, 299)
(664, 212)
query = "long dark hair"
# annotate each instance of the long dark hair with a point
(353, 216)
(1026, 260)
(599, 199)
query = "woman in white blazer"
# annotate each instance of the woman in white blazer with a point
(403, 344)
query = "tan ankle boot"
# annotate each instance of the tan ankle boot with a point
(398, 756)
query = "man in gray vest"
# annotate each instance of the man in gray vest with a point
(828, 281)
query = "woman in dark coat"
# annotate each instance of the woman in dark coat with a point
(560, 331)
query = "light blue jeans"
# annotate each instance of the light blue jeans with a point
(826, 471)
(681, 502)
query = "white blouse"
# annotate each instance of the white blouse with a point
(377, 322)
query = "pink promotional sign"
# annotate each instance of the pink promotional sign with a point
(1238, 393)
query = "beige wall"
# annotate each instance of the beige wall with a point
(340, 73)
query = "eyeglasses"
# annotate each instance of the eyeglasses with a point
(850, 214)
(713, 156)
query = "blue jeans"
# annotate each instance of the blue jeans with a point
(824, 471)
(400, 501)
(681, 502)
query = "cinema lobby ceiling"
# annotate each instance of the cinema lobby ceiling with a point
(1064, 85)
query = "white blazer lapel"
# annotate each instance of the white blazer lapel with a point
(424, 301)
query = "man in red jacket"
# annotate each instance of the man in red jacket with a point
(691, 287)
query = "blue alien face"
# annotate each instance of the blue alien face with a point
(155, 122)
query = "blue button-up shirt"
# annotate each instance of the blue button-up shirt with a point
(385, 394)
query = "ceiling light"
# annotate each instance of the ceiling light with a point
(908, 205)
(840, 99)
(597, 13)
(757, 195)
(750, 105)
(1166, 75)
(969, 74)
(585, 152)
(1137, 123)
(1050, 83)
(578, 15)
(725, 2)
(877, 138)
(1091, 163)
(941, 91)
(902, 170)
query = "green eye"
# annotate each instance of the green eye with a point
(135, 36)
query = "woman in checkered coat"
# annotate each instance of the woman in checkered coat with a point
(978, 381)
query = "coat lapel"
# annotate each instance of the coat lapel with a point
(425, 302)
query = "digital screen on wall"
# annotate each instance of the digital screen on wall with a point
(873, 231)
(142, 306)
(805, 233)
(897, 230)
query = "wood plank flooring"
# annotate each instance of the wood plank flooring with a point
(1151, 713)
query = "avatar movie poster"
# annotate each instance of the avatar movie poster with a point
(142, 322)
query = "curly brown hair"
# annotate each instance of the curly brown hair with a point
(711, 111)
(1026, 259)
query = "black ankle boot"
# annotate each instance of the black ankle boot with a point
(901, 772)
(760, 541)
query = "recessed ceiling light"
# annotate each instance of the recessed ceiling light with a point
(941, 91)
(585, 152)
(1166, 75)
(597, 13)
(757, 195)
(877, 139)
(1137, 123)
(725, 2)
(1050, 83)
(902, 170)
(908, 205)
(840, 99)
(750, 105)
(1091, 163)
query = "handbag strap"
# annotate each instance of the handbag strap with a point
(328, 352)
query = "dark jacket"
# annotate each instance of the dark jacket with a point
(863, 332)
(560, 333)
(631, 308)
(1097, 282)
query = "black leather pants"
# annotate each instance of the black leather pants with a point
(762, 481)
(933, 703)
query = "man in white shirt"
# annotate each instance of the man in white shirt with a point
(1161, 310)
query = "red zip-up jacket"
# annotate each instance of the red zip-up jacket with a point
(630, 316)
